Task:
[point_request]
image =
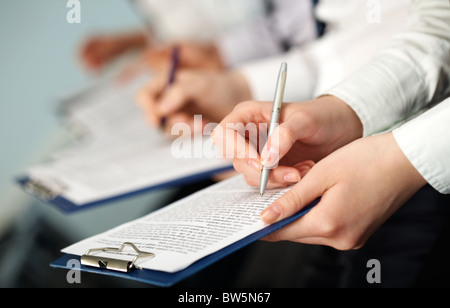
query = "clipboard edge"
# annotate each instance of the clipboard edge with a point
(166, 279)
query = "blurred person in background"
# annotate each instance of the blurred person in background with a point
(351, 37)
(212, 34)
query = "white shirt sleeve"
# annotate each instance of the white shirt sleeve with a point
(408, 75)
(350, 42)
(291, 22)
(301, 78)
(425, 141)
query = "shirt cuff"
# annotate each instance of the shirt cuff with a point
(425, 142)
(382, 102)
(300, 82)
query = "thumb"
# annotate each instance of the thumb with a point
(283, 137)
(299, 196)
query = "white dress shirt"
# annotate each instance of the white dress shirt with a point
(408, 76)
(241, 29)
(291, 23)
(350, 41)
(425, 141)
(197, 19)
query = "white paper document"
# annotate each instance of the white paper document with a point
(189, 229)
(117, 170)
(119, 152)
(105, 109)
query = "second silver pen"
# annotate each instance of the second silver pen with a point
(274, 119)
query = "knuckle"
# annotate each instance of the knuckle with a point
(286, 134)
(345, 243)
(304, 116)
(292, 202)
(243, 106)
(327, 228)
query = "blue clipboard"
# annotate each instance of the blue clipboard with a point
(68, 206)
(165, 279)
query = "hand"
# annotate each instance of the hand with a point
(307, 132)
(361, 185)
(210, 94)
(158, 59)
(100, 50)
(192, 56)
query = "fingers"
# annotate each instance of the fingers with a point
(295, 199)
(158, 57)
(232, 144)
(281, 176)
(147, 100)
(174, 98)
(280, 142)
(328, 223)
(248, 112)
(161, 100)
(90, 54)
(239, 126)
(100, 50)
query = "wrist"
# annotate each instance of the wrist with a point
(333, 122)
(405, 172)
(341, 117)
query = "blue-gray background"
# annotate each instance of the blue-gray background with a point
(38, 62)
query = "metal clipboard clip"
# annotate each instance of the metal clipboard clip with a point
(114, 264)
(39, 189)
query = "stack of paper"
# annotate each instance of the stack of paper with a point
(118, 153)
(182, 238)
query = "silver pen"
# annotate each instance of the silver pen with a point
(276, 111)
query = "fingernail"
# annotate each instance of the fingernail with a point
(292, 177)
(269, 157)
(271, 214)
(254, 164)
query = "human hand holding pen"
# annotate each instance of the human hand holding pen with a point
(174, 61)
(210, 94)
(194, 55)
(361, 181)
(307, 132)
(274, 118)
(157, 58)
